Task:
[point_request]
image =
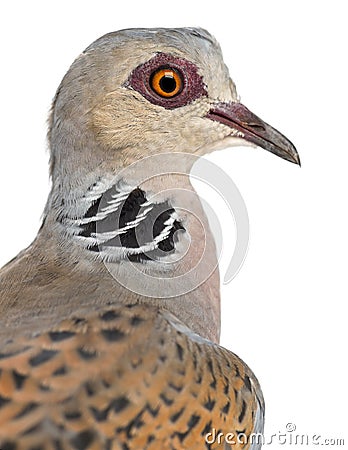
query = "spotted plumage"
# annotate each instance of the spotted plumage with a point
(114, 375)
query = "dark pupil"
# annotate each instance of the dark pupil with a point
(167, 83)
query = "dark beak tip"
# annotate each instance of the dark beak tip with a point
(293, 155)
(290, 155)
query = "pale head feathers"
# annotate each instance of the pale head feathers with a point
(99, 124)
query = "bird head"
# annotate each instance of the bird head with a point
(139, 92)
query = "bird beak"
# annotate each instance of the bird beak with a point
(253, 129)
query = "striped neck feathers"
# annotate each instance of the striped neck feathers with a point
(119, 222)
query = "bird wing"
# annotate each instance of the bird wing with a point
(123, 377)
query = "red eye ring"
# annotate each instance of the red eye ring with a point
(190, 82)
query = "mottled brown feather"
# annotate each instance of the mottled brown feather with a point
(122, 377)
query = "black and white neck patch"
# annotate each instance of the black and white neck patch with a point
(121, 223)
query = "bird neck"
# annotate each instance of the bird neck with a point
(152, 237)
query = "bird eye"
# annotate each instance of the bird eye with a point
(166, 82)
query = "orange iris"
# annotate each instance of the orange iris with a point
(166, 82)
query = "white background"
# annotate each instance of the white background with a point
(285, 312)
